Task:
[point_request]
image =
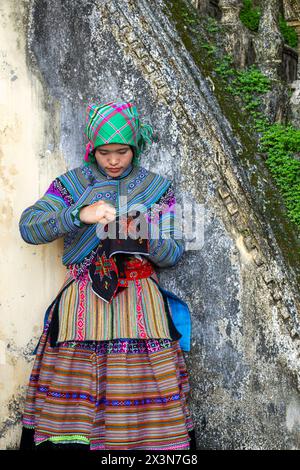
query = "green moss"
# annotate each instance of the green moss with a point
(246, 115)
(224, 67)
(288, 33)
(212, 26)
(281, 144)
(250, 16)
(248, 85)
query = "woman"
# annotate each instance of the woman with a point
(109, 371)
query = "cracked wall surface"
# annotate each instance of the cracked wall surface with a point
(27, 285)
(243, 294)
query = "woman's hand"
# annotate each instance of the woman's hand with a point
(99, 212)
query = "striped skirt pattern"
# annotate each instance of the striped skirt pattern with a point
(83, 316)
(119, 394)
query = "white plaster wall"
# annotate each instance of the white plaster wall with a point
(30, 275)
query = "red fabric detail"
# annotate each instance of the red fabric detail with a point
(136, 269)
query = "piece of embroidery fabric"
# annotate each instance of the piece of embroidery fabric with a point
(108, 264)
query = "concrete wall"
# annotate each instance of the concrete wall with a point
(26, 169)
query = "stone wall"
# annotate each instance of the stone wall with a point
(30, 157)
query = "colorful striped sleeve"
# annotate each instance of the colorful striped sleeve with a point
(166, 244)
(50, 217)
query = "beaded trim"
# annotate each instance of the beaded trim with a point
(120, 345)
(57, 188)
(90, 398)
(79, 270)
(97, 444)
(163, 205)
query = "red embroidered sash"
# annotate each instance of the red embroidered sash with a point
(136, 269)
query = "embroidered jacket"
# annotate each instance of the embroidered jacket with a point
(143, 309)
(55, 214)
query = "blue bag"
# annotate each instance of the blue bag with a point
(181, 316)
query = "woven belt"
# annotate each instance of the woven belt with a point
(136, 269)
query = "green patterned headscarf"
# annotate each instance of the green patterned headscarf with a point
(116, 123)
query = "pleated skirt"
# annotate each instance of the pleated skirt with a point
(119, 394)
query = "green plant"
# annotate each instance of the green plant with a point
(249, 15)
(288, 33)
(248, 84)
(224, 66)
(281, 144)
(212, 25)
(211, 49)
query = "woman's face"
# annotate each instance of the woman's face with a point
(114, 158)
